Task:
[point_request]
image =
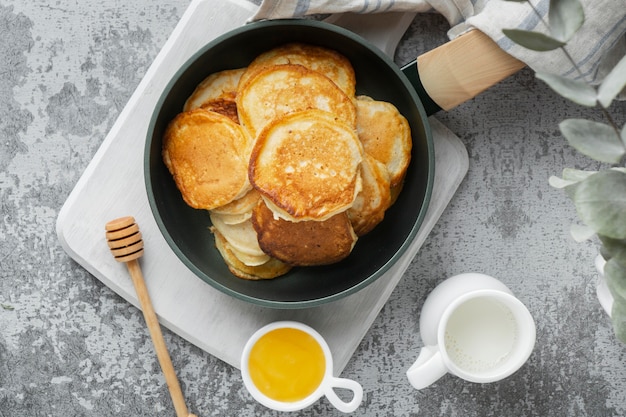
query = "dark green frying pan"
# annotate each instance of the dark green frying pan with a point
(186, 229)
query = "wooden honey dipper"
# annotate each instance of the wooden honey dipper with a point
(124, 239)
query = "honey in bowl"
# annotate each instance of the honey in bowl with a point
(287, 364)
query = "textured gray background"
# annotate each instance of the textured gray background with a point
(70, 347)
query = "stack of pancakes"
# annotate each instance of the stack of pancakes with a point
(292, 166)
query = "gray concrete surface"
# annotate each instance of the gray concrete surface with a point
(70, 347)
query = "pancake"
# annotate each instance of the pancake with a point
(234, 219)
(271, 269)
(306, 166)
(385, 135)
(282, 89)
(242, 238)
(305, 243)
(323, 60)
(374, 199)
(242, 205)
(207, 154)
(226, 106)
(217, 93)
(217, 85)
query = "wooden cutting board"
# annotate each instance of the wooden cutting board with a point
(113, 186)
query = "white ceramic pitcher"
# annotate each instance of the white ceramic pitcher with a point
(473, 327)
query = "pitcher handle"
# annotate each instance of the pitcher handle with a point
(338, 403)
(427, 369)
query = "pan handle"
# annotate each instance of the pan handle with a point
(459, 70)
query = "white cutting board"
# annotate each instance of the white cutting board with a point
(113, 186)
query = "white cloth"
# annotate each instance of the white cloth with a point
(595, 48)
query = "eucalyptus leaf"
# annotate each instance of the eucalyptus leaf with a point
(614, 249)
(576, 175)
(615, 276)
(618, 317)
(623, 135)
(612, 84)
(596, 140)
(571, 178)
(517, 1)
(580, 232)
(535, 41)
(601, 203)
(605, 253)
(565, 18)
(570, 190)
(559, 183)
(577, 91)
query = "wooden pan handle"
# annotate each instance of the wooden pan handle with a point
(461, 69)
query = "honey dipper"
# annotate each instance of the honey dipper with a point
(124, 239)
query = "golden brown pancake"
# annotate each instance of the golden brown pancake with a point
(304, 243)
(385, 135)
(217, 93)
(282, 89)
(270, 269)
(242, 239)
(374, 199)
(222, 84)
(306, 165)
(225, 106)
(323, 60)
(242, 205)
(207, 154)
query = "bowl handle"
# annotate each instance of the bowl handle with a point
(459, 70)
(349, 384)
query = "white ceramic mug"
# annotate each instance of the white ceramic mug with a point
(294, 356)
(473, 327)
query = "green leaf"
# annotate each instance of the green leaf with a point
(601, 203)
(558, 183)
(580, 232)
(615, 276)
(533, 40)
(604, 253)
(570, 190)
(596, 140)
(577, 91)
(613, 83)
(576, 175)
(565, 18)
(7, 307)
(618, 317)
(614, 249)
(623, 135)
(570, 180)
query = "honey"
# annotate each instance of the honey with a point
(287, 364)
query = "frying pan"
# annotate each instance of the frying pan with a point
(187, 230)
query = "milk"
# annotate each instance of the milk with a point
(480, 335)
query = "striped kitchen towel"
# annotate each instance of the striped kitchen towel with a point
(596, 47)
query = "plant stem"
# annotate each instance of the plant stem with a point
(607, 115)
(567, 55)
(611, 121)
